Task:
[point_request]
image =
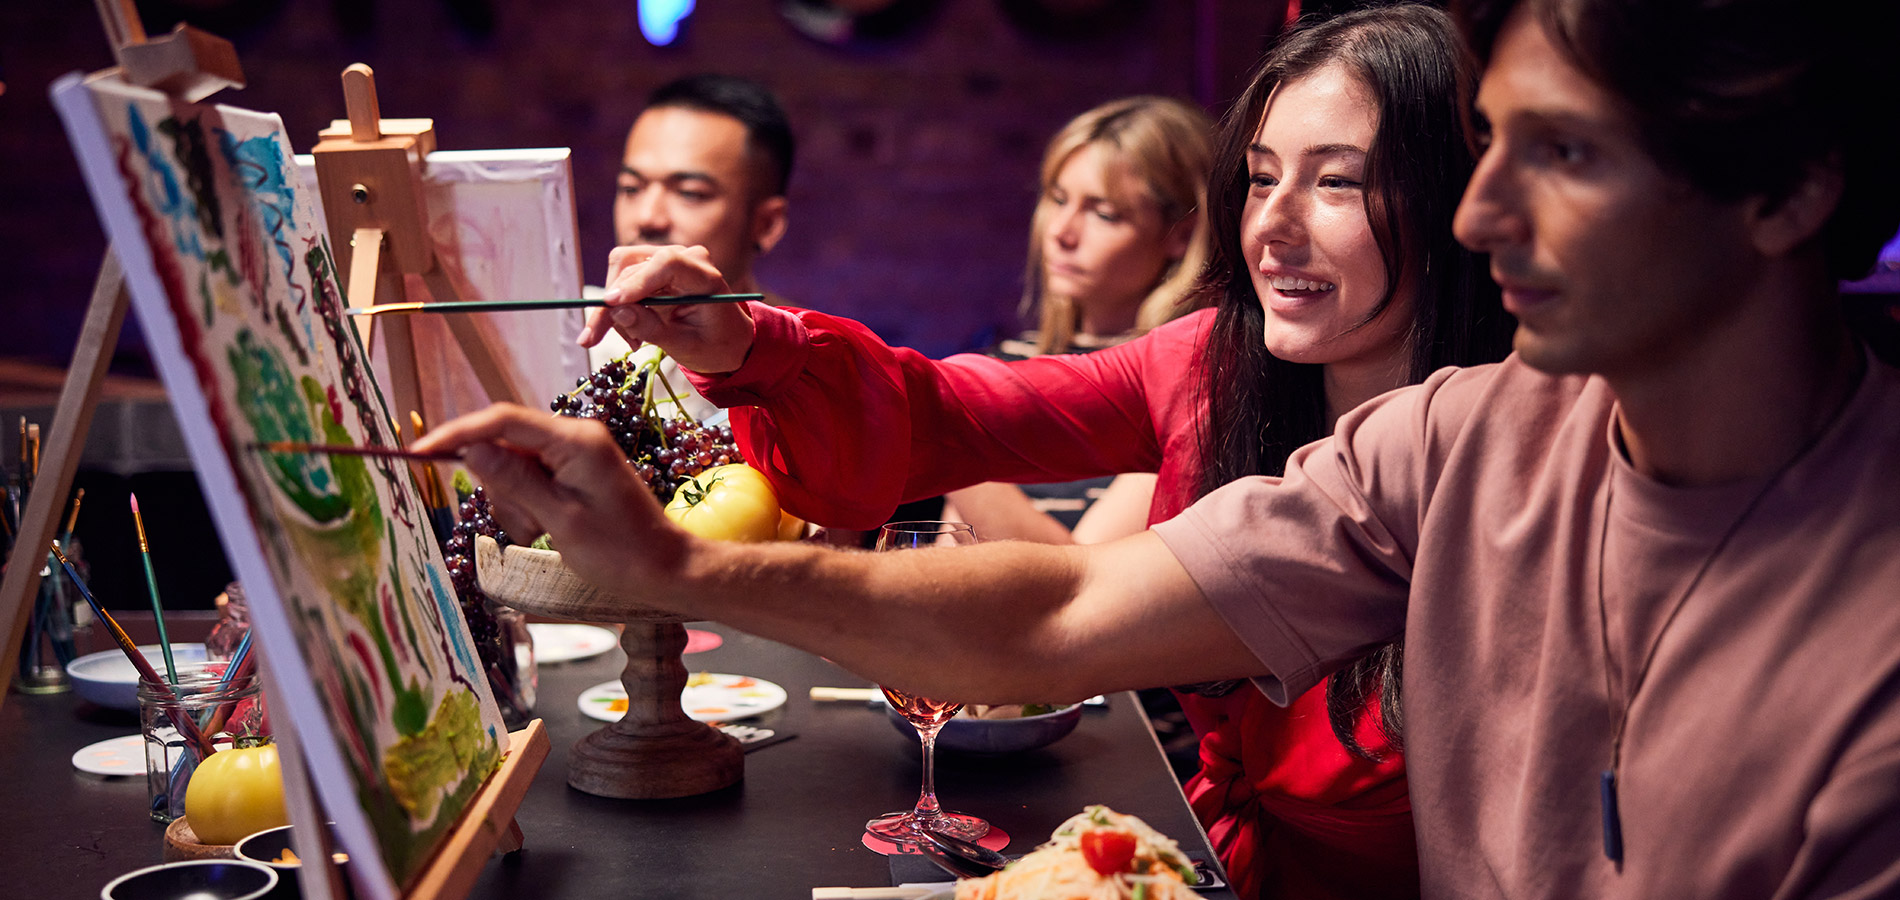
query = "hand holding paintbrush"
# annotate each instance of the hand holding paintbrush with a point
(710, 339)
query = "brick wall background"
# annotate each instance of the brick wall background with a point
(917, 156)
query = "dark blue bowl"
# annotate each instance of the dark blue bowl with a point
(196, 879)
(267, 846)
(997, 736)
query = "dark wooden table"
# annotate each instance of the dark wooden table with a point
(791, 825)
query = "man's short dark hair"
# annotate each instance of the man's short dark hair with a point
(768, 132)
(1741, 97)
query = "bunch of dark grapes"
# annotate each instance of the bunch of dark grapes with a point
(458, 552)
(663, 451)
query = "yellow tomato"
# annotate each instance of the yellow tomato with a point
(727, 503)
(236, 793)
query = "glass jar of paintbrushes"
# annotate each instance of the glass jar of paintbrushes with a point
(48, 642)
(53, 630)
(187, 710)
(224, 703)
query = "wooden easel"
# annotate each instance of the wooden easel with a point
(189, 64)
(369, 173)
(192, 65)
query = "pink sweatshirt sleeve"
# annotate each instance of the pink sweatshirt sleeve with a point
(847, 427)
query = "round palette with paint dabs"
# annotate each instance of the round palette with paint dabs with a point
(708, 697)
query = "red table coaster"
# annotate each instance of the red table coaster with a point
(996, 840)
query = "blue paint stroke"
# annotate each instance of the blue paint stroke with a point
(162, 186)
(448, 609)
(261, 169)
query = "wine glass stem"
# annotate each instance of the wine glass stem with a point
(927, 811)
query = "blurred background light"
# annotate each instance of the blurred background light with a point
(660, 19)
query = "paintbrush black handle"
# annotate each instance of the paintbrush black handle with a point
(481, 306)
(351, 450)
(689, 299)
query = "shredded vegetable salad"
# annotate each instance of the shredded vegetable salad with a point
(1098, 854)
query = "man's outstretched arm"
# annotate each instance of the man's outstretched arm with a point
(1000, 622)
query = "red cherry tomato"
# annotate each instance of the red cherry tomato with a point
(1108, 851)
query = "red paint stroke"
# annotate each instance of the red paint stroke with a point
(394, 619)
(251, 262)
(336, 405)
(369, 662)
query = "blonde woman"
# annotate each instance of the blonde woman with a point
(1115, 245)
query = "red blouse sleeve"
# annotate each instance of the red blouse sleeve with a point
(847, 427)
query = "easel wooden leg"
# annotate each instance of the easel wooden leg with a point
(366, 251)
(71, 420)
(511, 841)
(405, 377)
(374, 279)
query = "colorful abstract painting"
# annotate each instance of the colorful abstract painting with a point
(232, 282)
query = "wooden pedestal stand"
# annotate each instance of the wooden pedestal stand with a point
(191, 65)
(655, 751)
(369, 173)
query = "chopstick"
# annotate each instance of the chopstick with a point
(901, 892)
(475, 306)
(846, 695)
(352, 450)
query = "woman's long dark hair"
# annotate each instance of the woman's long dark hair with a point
(1261, 408)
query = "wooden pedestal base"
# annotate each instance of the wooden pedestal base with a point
(655, 751)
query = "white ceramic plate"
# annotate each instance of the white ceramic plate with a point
(108, 678)
(709, 697)
(118, 756)
(564, 643)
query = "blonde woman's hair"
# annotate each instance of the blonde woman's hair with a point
(1168, 146)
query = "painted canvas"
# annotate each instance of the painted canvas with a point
(232, 282)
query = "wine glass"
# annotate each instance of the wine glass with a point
(925, 714)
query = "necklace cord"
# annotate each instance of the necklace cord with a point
(1649, 655)
(1612, 816)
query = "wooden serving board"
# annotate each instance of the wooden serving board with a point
(182, 843)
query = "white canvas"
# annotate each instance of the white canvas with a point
(503, 224)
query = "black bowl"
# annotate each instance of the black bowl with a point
(197, 879)
(267, 846)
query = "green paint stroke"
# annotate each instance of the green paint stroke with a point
(419, 766)
(268, 398)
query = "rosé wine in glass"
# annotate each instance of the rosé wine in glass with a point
(925, 714)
